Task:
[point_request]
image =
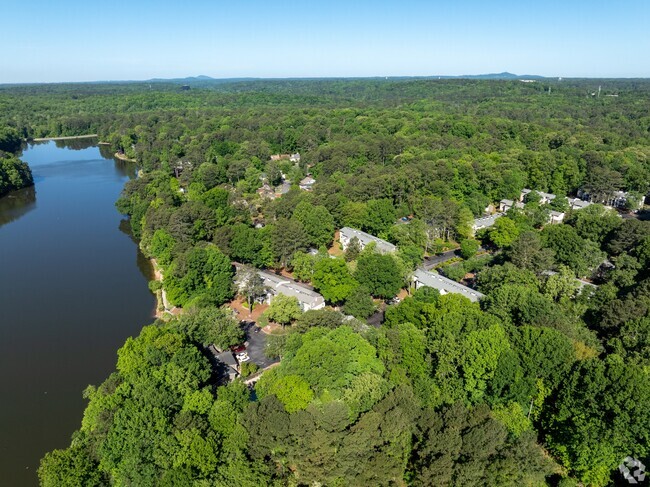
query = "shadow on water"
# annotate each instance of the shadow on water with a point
(17, 204)
(144, 264)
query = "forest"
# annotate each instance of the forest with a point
(544, 381)
(14, 173)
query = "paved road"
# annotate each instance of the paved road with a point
(433, 261)
(256, 342)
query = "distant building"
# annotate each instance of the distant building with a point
(266, 191)
(284, 188)
(346, 234)
(227, 359)
(280, 157)
(181, 166)
(545, 198)
(577, 203)
(307, 183)
(485, 222)
(616, 199)
(307, 298)
(505, 205)
(555, 217)
(444, 285)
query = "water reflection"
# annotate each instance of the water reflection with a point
(16, 204)
(144, 264)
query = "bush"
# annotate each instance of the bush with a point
(247, 369)
(468, 248)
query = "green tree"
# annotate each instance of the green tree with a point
(203, 272)
(468, 248)
(380, 216)
(333, 280)
(359, 304)
(503, 233)
(288, 237)
(283, 309)
(527, 253)
(317, 222)
(379, 274)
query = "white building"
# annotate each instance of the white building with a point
(307, 183)
(505, 205)
(555, 216)
(346, 234)
(544, 198)
(444, 285)
(307, 298)
(485, 222)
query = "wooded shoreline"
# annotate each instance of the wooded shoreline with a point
(72, 137)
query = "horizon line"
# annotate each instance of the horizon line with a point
(505, 75)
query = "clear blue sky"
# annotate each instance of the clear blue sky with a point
(74, 40)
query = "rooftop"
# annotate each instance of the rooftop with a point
(441, 283)
(365, 238)
(280, 284)
(486, 221)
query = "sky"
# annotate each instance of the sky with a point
(74, 40)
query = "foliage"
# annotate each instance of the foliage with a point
(283, 309)
(468, 248)
(380, 274)
(333, 280)
(359, 304)
(14, 173)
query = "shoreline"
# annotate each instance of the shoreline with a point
(44, 139)
(122, 157)
(162, 305)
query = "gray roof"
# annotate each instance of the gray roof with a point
(281, 285)
(486, 221)
(512, 203)
(577, 203)
(441, 283)
(548, 196)
(366, 238)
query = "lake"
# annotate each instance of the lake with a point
(73, 287)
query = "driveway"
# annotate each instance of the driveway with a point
(433, 261)
(255, 345)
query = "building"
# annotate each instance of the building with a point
(276, 284)
(307, 183)
(577, 203)
(280, 157)
(283, 188)
(616, 199)
(555, 216)
(346, 234)
(444, 285)
(266, 191)
(295, 157)
(505, 205)
(544, 198)
(485, 222)
(227, 359)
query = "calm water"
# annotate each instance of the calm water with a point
(73, 286)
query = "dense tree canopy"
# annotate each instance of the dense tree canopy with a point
(545, 380)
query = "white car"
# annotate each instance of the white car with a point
(243, 357)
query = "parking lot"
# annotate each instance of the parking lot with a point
(255, 344)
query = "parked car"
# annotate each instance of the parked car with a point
(243, 357)
(238, 348)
